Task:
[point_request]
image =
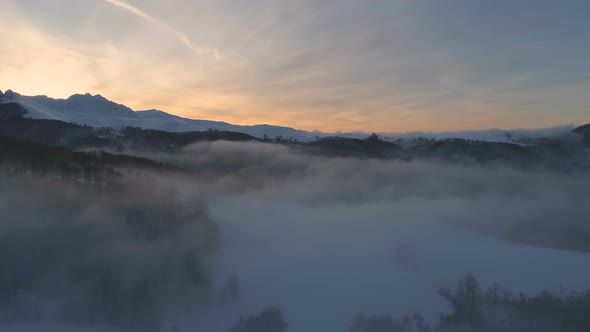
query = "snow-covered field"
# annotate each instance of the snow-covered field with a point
(323, 266)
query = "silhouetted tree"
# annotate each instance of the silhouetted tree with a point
(270, 320)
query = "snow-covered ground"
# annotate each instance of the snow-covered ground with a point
(323, 265)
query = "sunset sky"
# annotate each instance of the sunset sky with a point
(330, 65)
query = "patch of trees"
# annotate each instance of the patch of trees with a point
(94, 167)
(10, 110)
(500, 309)
(371, 147)
(270, 320)
(495, 308)
(585, 131)
(44, 131)
(463, 150)
(157, 140)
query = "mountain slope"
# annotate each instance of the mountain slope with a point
(76, 136)
(97, 111)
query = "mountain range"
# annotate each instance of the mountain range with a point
(98, 111)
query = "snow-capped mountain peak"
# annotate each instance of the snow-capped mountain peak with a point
(78, 103)
(97, 111)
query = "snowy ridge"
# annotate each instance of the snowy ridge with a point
(97, 111)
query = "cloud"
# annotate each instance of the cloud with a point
(181, 36)
(392, 66)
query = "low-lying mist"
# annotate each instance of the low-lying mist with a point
(252, 226)
(537, 206)
(124, 255)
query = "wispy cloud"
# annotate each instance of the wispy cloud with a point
(388, 66)
(181, 36)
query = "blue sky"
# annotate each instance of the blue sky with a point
(330, 65)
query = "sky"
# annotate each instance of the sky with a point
(328, 65)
